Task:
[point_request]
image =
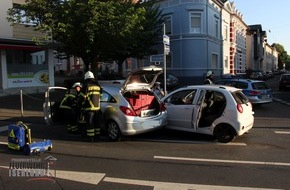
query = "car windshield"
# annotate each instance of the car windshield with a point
(240, 98)
(260, 86)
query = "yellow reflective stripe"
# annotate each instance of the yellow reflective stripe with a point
(74, 128)
(95, 88)
(90, 132)
(65, 99)
(13, 146)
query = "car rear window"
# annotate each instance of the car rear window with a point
(240, 98)
(259, 86)
(242, 85)
(285, 77)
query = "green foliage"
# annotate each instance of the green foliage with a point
(93, 30)
(282, 55)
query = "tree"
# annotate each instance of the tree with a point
(282, 55)
(138, 42)
(89, 29)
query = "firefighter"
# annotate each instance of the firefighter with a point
(209, 78)
(91, 106)
(71, 108)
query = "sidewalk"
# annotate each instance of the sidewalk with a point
(29, 111)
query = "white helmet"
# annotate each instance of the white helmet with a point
(77, 84)
(209, 73)
(89, 75)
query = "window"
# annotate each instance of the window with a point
(225, 33)
(106, 97)
(217, 29)
(168, 25)
(182, 97)
(214, 61)
(226, 62)
(195, 22)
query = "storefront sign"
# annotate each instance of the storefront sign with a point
(28, 79)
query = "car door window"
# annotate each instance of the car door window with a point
(182, 97)
(106, 97)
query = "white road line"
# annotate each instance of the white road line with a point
(95, 178)
(176, 186)
(283, 132)
(193, 142)
(82, 177)
(222, 161)
(3, 128)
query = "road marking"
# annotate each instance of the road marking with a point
(192, 142)
(176, 186)
(95, 178)
(283, 132)
(82, 177)
(3, 128)
(222, 161)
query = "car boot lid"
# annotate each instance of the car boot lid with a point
(143, 78)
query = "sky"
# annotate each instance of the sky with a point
(272, 15)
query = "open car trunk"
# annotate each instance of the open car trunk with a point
(144, 103)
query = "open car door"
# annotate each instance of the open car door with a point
(198, 109)
(53, 97)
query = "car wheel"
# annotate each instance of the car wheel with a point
(113, 131)
(225, 133)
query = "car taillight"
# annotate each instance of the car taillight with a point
(254, 93)
(240, 108)
(127, 111)
(162, 107)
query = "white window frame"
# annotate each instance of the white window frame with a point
(195, 29)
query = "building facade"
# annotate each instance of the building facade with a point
(194, 28)
(204, 35)
(23, 65)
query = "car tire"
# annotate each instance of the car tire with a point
(225, 133)
(113, 131)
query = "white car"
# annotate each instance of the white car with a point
(222, 111)
(129, 109)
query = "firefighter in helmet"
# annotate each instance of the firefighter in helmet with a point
(91, 106)
(71, 108)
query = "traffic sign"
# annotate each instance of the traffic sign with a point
(156, 58)
(166, 40)
(167, 49)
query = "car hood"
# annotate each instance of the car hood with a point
(143, 78)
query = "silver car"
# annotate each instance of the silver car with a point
(257, 91)
(129, 109)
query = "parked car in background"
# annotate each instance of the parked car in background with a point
(257, 91)
(284, 82)
(258, 75)
(129, 109)
(172, 81)
(222, 111)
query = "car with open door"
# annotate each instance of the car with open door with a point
(129, 109)
(222, 111)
